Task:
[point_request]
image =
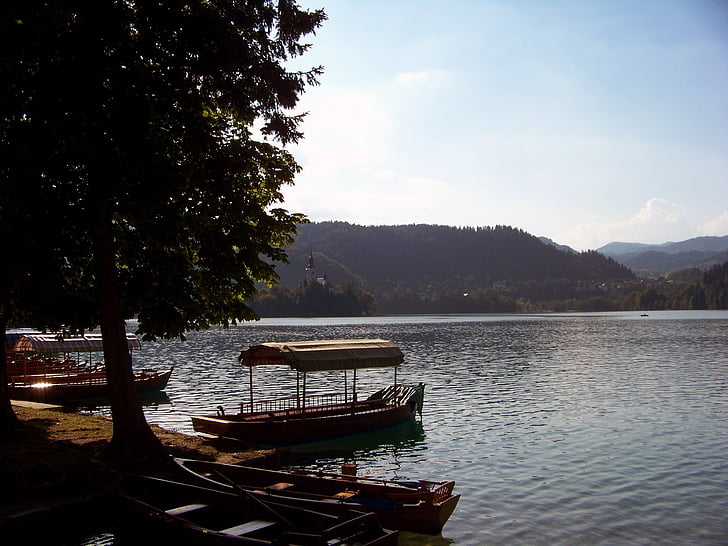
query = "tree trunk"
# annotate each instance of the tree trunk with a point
(133, 441)
(8, 420)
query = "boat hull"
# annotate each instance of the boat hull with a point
(419, 507)
(301, 427)
(187, 513)
(423, 519)
(79, 389)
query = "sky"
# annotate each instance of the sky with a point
(582, 121)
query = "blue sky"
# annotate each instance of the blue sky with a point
(583, 121)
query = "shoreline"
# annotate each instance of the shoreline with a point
(54, 461)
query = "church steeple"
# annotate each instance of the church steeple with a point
(310, 268)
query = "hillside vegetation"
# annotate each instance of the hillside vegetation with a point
(427, 269)
(437, 269)
(379, 257)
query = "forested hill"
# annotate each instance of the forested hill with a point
(377, 257)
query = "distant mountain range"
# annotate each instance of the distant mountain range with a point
(655, 260)
(378, 258)
(342, 269)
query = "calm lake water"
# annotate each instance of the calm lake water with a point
(558, 429)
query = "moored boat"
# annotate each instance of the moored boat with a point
(416, 506)
(47, 388)
(301, 418)
(41, 368)
(194, 514)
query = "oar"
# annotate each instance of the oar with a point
(265, 505)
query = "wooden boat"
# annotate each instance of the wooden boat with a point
(192, 514)
(301, 419)
(40, 368)
(48, 388)
(419, 506)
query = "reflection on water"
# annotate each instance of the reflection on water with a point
(364, 449)
(101, 405)
(558, 429)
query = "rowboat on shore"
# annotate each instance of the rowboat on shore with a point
(41, 368)
(300, 419)
(185, 513)
(415, 506)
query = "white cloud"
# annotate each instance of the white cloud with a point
(658, 221)
(432, 78)
(717, 226)
(346, 129)
(381, 174)
(371, 197)
(413, 77)
(657, 211)
(428, 185)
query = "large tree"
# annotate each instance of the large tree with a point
(156, 130)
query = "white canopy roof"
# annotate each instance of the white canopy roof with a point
(51, 343)
(325, 355)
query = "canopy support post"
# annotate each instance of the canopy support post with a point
(396, 392)
(304, 392)
(353, 390)
(251, 388)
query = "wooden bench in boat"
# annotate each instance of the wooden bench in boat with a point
(248, 527)
(180, 510)
(344, 495)
(280, 486)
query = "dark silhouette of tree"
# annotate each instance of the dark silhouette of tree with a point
(146, 124)
(312, 299)
(715, 282)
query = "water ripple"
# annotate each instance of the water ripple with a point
(601, 429)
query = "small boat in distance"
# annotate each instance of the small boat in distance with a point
(170, 512)
(301, 419)
(420, 506)
(41, 368)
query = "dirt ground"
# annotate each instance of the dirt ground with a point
(56, 461)
(57, 457)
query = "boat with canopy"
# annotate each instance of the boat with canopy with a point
(305, 418)
(53, 368)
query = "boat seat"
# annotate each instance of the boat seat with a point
(248, 527)
(280, 486)
(345, 495)
(179, 510)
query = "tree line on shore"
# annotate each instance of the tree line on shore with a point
(685, 290)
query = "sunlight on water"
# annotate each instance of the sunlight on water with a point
(558, 429)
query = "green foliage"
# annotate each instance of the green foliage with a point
(437, 269)
(312, 299)
(137, 175)
(381, 257)
(144, 114)
(715, 285)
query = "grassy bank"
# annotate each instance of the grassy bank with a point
(56, 457)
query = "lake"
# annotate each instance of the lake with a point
(558, 429)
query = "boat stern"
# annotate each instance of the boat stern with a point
(210, 426)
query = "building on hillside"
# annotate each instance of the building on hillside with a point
(311, 272)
